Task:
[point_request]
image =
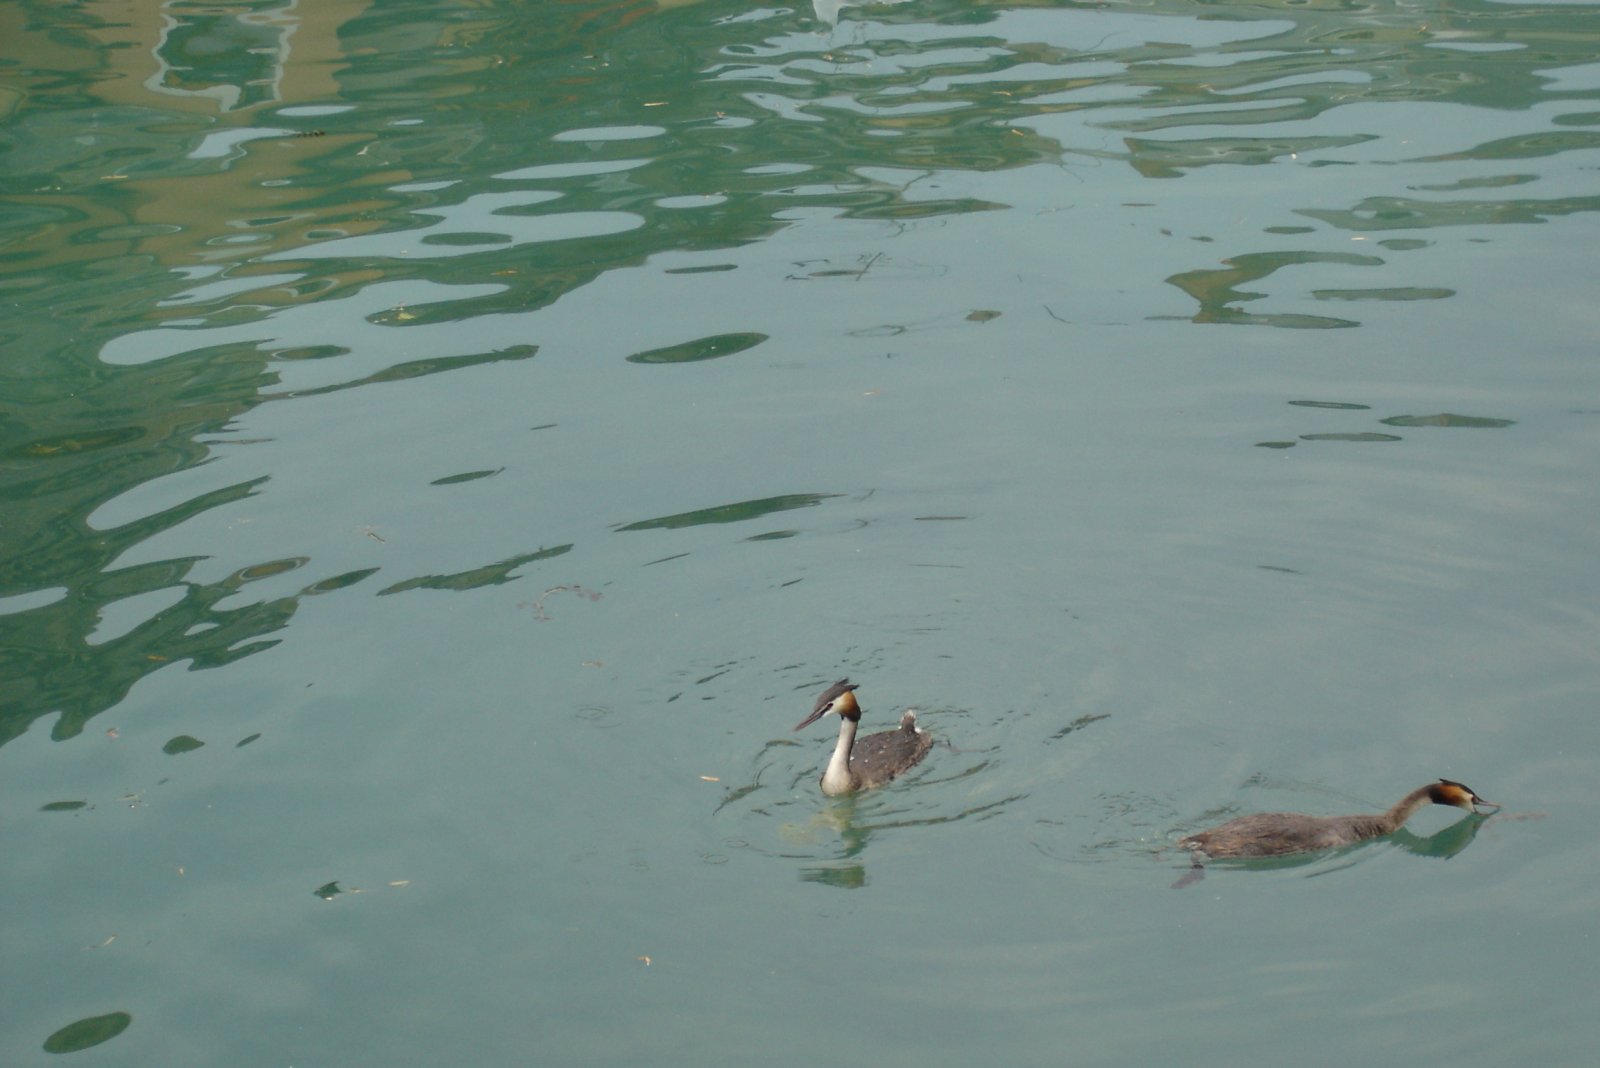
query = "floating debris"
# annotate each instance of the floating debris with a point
(537, 604)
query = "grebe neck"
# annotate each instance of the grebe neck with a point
(836, 778)
(1405, 808)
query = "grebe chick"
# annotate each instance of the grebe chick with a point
(873, 760)
(1273, 834)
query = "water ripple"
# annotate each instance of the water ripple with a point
(198, 226)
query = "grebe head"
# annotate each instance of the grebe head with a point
(836, 698)
(1445, 792)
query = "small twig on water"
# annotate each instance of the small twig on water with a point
(537, 604)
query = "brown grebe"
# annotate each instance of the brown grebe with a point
(873, 760)
(1274, 834)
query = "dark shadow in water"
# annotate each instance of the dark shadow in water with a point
(1217, 290)
(400, 372)
(183, 743)
(840, 876)
(1448, 419)
(488, 575)
(466, 476)
(705, 348)
(1441, 419)
(88, 1032)
(1349, 406)
(737, 512)
(1364, 435)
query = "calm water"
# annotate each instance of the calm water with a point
(447, 446)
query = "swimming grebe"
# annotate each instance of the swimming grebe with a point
(875, 759)
(1273, 834)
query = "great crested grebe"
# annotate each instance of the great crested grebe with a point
(873, 760)
(1274, 834)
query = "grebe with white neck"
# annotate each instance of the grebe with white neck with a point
(861, 764)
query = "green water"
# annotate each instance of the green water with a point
(445, 447)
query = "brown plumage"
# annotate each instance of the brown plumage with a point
(871, 761)
(1273, 834)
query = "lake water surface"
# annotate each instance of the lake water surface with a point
(447, 446)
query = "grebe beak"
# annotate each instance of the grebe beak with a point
(816, 714)
(1479, 804)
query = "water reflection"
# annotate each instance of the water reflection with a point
(88, 1032)
(780, 801)
(705, 348)
(494, 574)
(828, 11)
(838, 876)
(208, 219)
(853, 827)
(738, 512)
(1448, 419)
(228, 262)
(1217, 290)
(1440, 419)
(1442, 845)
